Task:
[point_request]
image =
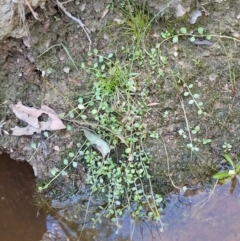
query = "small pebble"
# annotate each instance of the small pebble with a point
(179, 10)
(194, 16)
(202, 42)
(212, 77)
(66, 69)
(83, 7)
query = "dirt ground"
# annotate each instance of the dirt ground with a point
(40, 71)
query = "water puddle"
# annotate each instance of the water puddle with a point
(201, 216)
(20, 219)
(210, 216)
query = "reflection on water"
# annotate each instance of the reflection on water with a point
(20, 219)
(199, 216)
(211, 216)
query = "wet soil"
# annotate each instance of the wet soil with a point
(35, 74)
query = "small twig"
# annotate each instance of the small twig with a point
(187, 124)
(207, 199)
(83, 26)
(95, 125)
(168, 165)
(32, 11)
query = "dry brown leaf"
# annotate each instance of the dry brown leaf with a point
(97, 142)
(54, 122)
(28, 130)
(30, 115)
(27, 114)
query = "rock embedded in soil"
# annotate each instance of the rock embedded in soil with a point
(12, 17)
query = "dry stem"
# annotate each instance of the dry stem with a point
(83, 26)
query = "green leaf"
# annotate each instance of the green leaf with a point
(82, 65)
(98, 143)
(206, 141)
(192, 39)
(95, 51)
(164, 59)
(190, 86)
(54, 171)
(190, 145)
(196, 96)
(190, 102)
(74, 164)
(196, 148)
(71, 154)
(197, 128)
(84, 117)
(64, 173)
(94, 111)
(34, 145)
(232, 172)
(150, 214)
(69, 127)
(181, 132)
(80, 100)
(61, 115)
(71, 114)
(221, 175)
(81, 106)
(200, 112)
(110, 55)
(163, 35)
(186, 93)
(65, 162)
(100, 59)
(208, 37)
(175, 39)
(229, 160)
(183, 30)
(103, 67)
(200, 30)
(238, 167)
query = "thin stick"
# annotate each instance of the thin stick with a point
(32, 11)
(83, 26)
(207, 200)
(95, 125)
(186, 120)
(168, 165)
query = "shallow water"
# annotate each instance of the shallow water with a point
(211, 216)
(20, 219)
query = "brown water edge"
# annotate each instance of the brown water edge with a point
(211, 216)
(20, 219)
